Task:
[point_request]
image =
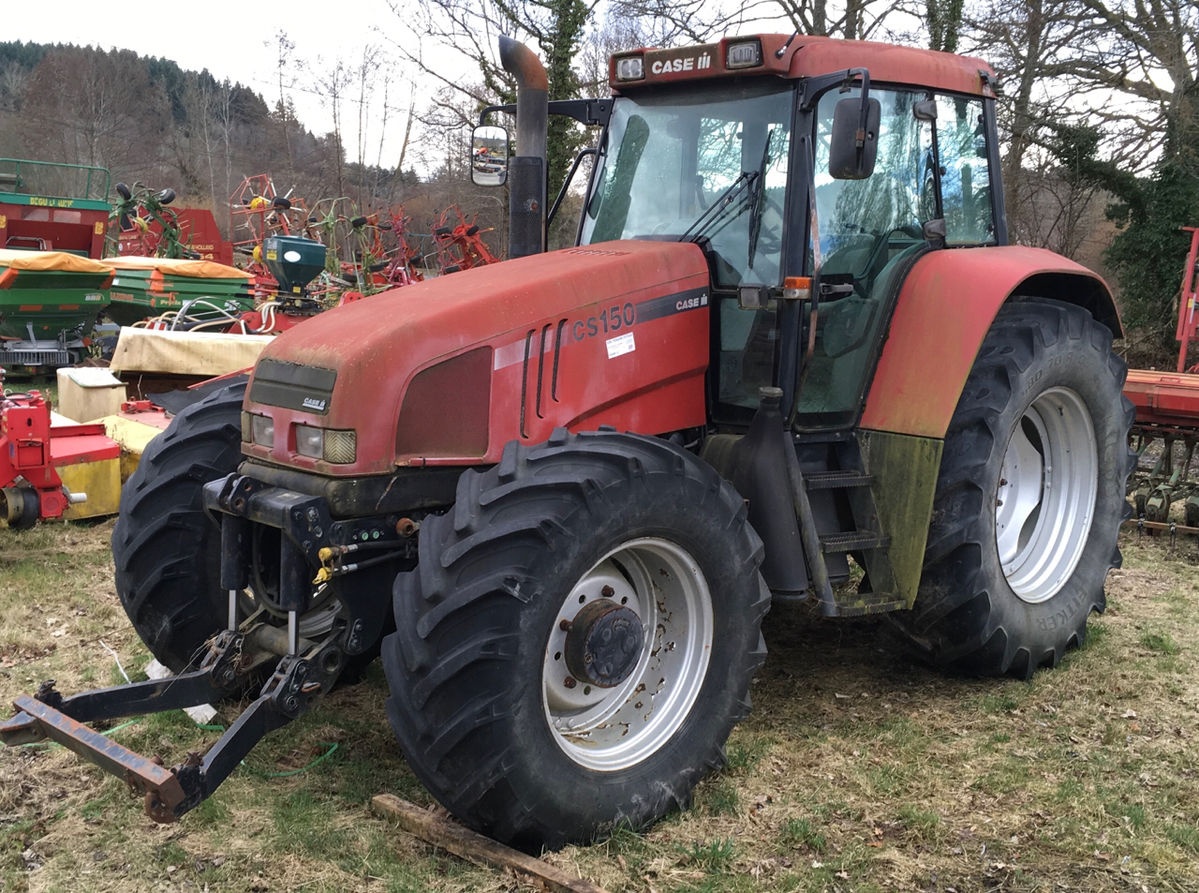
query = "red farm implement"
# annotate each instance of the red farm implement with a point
(372, 251)
(53, 207)
(147, 227)
(44, 470)
(1166, 431)
(459, 245)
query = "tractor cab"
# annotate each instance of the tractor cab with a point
(726, 146)
(812, 185)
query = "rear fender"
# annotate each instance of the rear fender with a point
(944, 310)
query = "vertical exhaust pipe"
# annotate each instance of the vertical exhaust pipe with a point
(527, 169)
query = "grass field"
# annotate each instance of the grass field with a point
(858, 770)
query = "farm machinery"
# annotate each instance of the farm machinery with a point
(1166, 430)
(148, 227)
(791, 358)
(47, 473)
(459, 242)
(52, 223)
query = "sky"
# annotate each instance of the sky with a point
(237, 40)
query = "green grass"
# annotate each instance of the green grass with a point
(858, 770)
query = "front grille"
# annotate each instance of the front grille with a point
(292, 386)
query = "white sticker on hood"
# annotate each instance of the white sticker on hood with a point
(620, 345)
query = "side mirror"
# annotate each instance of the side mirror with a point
(854, 142)
(489, 155)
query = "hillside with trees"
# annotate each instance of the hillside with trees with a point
(147, 120)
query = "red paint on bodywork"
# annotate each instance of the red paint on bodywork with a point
(943, 312)
(890, 63)
(579, 338)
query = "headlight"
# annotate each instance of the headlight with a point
(258, 429)
(335, 446)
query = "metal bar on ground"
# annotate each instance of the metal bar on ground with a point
(142, 774)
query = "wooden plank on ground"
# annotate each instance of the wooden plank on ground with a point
(441, 831)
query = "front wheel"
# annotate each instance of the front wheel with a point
(578, 639)
(165, 548)
(1030, 496)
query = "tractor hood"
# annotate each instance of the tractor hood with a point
(447, 371)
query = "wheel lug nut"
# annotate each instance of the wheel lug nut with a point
(569, 682)
(564, 625)
(607, 592)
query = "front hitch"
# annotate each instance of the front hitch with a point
(169, 793)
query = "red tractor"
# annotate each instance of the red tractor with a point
(791, 356)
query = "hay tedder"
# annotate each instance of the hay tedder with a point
(791, 358)
(458, 243)
(147, 225)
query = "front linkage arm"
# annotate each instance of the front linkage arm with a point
(169, 793)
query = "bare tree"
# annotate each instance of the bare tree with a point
(460, 54)
(89, 107)
(1094, 91)
(849, 19)
(1126, 67)
(1145, 52)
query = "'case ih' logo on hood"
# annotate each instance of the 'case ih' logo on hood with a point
(315, 404)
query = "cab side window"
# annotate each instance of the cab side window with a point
(965, 173)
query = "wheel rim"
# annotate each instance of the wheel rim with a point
(1046, 495)
(659, 595)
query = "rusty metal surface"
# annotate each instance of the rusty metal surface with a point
(20, 729)
(142, 774)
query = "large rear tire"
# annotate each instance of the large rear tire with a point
(166, 550)
(578, 638)
(1030, 496)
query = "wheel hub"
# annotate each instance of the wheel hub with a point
(603, 643)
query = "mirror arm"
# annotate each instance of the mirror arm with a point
(486, 112)
(863, 120)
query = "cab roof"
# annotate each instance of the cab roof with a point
(805, 56)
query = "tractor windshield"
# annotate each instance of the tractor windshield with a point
(702, 164)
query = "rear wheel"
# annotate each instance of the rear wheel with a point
(1030, 496)
(578, 638)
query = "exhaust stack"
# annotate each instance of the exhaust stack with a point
(527, 169)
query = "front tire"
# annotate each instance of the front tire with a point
(1030, 496)
(578, 638)
(165, 548)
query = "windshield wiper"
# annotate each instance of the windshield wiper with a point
(722, 208)
(744, 193)
(755, 200)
